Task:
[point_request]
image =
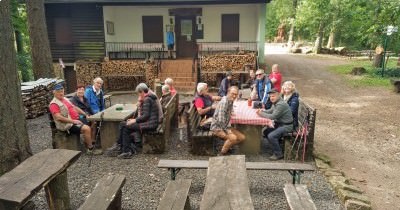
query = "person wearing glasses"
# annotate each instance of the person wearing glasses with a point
(220, 124)
(263, 85)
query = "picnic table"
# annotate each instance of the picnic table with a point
(110, 118)
(250, 124)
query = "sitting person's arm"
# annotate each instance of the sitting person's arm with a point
(216, 98)
(146, 111)
(55, 111)
(80, 111)
(273, 114)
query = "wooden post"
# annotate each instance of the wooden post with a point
(57, 193)
(62, 140)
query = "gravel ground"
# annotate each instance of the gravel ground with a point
(145, 182)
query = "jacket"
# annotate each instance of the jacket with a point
(281, 114)
(207, 100)
(293, 103)
(96, 104)
(224, 87)
(82, 105)
(262, 87)
(165, 100)
(148, 119)
(64, 112)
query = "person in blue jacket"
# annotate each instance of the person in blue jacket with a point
(263, 85)
(95, 95)
(291, 96)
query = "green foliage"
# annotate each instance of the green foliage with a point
(359, 24)
(373, 75)
(24, 62)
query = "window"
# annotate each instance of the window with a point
(110, 28)
(230, 28)
(63, 31)
(152, 29)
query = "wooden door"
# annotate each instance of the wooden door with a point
(70, 79)
(185, 36)
(230, 27)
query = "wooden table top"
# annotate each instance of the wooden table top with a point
(112, 114)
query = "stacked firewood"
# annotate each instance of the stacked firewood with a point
(221, 62)
(87, 71)
(131, 67)
(36, 96)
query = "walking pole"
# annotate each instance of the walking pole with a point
(97, 137)
(299, 130)
(305, 141)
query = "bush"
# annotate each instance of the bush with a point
(390, 72)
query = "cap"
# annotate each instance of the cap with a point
(259, 71)
(273, 90)
(58, 87)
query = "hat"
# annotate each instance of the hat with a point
(259, 71)
(273, 90)
(58, 87)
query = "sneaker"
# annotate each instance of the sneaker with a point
(94, 151)
(274, 157)
(114, 147)
(125, 155)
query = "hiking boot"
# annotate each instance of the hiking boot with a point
(115, 147)
(274, 157)
(94, 151)
(125, 155)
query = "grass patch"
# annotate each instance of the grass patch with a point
(371, 78)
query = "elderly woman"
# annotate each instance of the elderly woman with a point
(80, 100)
(203, 100)
(170, 83)
(291, 96)
(166, 96)
(95, 95)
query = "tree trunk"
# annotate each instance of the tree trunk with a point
(331, 39)
(292, 21)
(318, 41)
(14, 142)
(41, 57)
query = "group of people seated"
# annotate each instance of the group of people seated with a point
(70, 115)
(275, 101)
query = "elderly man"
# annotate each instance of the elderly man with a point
(95, 96)
(66, 118)
(145, 119)
(166, 96)
(220, 124)
(263, 85)
(203, 100)
(170, 84)
(276, 77)
(281, 114)
(225, 84)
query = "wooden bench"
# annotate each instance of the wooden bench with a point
(106, 195)
(46, 169)
(295, 169)
(298, 197)
(175, 196)
(396, 84)
(294, 147)
(202, 142)
(154, 142)
(227, 186)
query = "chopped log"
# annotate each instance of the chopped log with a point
(358, 71)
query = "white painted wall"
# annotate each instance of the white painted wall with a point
(128, 21)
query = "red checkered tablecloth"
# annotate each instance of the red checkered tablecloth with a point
(244, 114)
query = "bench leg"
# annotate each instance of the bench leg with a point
(295, 176)
(57, 192)
(174, 172)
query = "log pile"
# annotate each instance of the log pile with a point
(37, 95)
(87, 71)
(126, 75)
(220, 63)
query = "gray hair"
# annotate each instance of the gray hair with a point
(169, 81)
(142, 87)
(165, 88)
(290, 85)
(201, 86)
(98, 79)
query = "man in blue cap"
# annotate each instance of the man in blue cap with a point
(66, 118)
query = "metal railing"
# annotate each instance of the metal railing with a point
(135, 50)
(209, 48)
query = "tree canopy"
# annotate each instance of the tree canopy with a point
(360, 24)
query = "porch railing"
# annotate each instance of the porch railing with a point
(208, 48)
(135, 50)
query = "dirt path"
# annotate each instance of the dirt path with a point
(357, 127)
